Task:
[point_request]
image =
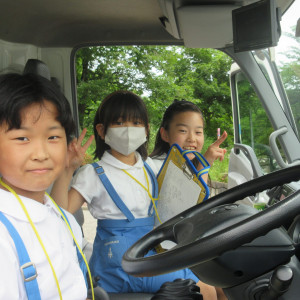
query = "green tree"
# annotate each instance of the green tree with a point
(290, 74)
(159, 74)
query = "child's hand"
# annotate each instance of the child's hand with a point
(76, 151)
(214, 151)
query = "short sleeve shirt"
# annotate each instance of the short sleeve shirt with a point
(58, 243)
(135, 197)
(159, 160)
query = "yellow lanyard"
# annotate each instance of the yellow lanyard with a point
(40, 240)
(79, 249)
(146, 189)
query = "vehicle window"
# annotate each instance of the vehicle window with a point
(284, 59)
(281, 67)
(288, 61)
(159, 74)
(255, 127)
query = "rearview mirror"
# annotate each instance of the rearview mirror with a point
(256, 26)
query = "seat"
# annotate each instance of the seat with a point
(35, 66)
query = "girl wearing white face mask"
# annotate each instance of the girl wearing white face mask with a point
(120, 190)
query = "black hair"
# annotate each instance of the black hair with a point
(125, 105)
(20, 91)
(178, 106)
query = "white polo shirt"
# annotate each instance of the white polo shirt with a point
(159, 160)
(57, 241)
(100, 204)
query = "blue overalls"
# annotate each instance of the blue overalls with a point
(27, 267)
(114, 237)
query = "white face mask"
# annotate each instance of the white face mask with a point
(125, 140)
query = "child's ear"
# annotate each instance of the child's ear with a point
(164, 135)
(100, 130)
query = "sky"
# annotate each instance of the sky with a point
(288, 20)
(290, 17)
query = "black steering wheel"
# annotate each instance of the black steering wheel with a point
(192, 250)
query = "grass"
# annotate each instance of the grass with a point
(219, 170)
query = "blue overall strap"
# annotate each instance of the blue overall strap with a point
(153, 180)
(112, 192)
(27, 268)
(154, 186)
(79, 256)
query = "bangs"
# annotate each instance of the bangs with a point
(125, 106)
(20, 91)
(120, 106)
(128, 111)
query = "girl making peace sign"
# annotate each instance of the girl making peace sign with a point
(183, 124)
(120, 190)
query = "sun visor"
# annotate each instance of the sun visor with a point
(205, 26)
(169, 20)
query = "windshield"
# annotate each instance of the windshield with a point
(286, 59)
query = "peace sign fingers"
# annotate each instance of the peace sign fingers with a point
(221, 139)
(76, 150)
(214, 151)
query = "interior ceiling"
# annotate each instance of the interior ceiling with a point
(70, 23)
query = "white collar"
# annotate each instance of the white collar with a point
(37, 211)
(111, 160)
(161, 157)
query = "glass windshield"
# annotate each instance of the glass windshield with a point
(285, 60)
(288, 61)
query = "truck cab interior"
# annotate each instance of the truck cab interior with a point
(251, 254)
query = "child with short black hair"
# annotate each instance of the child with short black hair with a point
(38, 256)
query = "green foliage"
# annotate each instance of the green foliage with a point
(252, 116)
(219, 170)
(159, 74)
(290, 74)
